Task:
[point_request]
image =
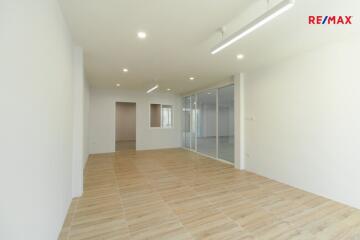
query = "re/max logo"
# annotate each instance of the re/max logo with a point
(330, 19)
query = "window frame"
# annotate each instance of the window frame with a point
(171, 106)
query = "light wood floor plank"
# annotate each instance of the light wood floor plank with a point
(178, 195)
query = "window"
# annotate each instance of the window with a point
(166, 116)
(161, 116)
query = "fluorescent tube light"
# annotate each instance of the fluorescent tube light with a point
(258, 22)
(152, 89)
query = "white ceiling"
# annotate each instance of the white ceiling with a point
(181, 34)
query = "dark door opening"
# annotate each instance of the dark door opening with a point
(125, 126)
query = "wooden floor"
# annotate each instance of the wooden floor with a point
(176, 194)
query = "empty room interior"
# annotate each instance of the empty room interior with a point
(180, 119)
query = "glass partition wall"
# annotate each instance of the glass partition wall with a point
(209, 123)
(206, 123)
(193, 122)
(226, 123)
(186, 125)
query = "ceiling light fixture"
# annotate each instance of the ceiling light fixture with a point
(125, 70)
(169, 89)
(258, 22)
(141, 35)
(191, 78)
(118, 85)
(152, 89)
(240, 56)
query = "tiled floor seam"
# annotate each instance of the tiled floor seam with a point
(121, 199)
(167, 205)
(229, 218)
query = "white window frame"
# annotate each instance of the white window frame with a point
(161, 116)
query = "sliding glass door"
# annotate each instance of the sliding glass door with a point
(193, 123)
(206, 123)
(226, 123)
(186, 125)
(209, 123)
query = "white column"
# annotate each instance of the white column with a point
(78, 123)
(239, 160)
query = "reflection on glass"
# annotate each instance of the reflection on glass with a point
(186, 126)
(206, 123)
(193, 122)
(166, 117)
(226, 123)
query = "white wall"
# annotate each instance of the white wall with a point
(36, 119)
(80, 128)
(86, 112)
(102, 120)
(306, 121)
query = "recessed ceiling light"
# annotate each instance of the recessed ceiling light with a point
(118, 85)
(240, 56)
(191, 78)
(125, 70)
(169, 89)
(141, 35)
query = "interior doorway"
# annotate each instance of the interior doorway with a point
(125, 126)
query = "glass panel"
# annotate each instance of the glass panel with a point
(206, 123)
(226, 123)
(186, 130)
(193, 122)
(166, 117)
